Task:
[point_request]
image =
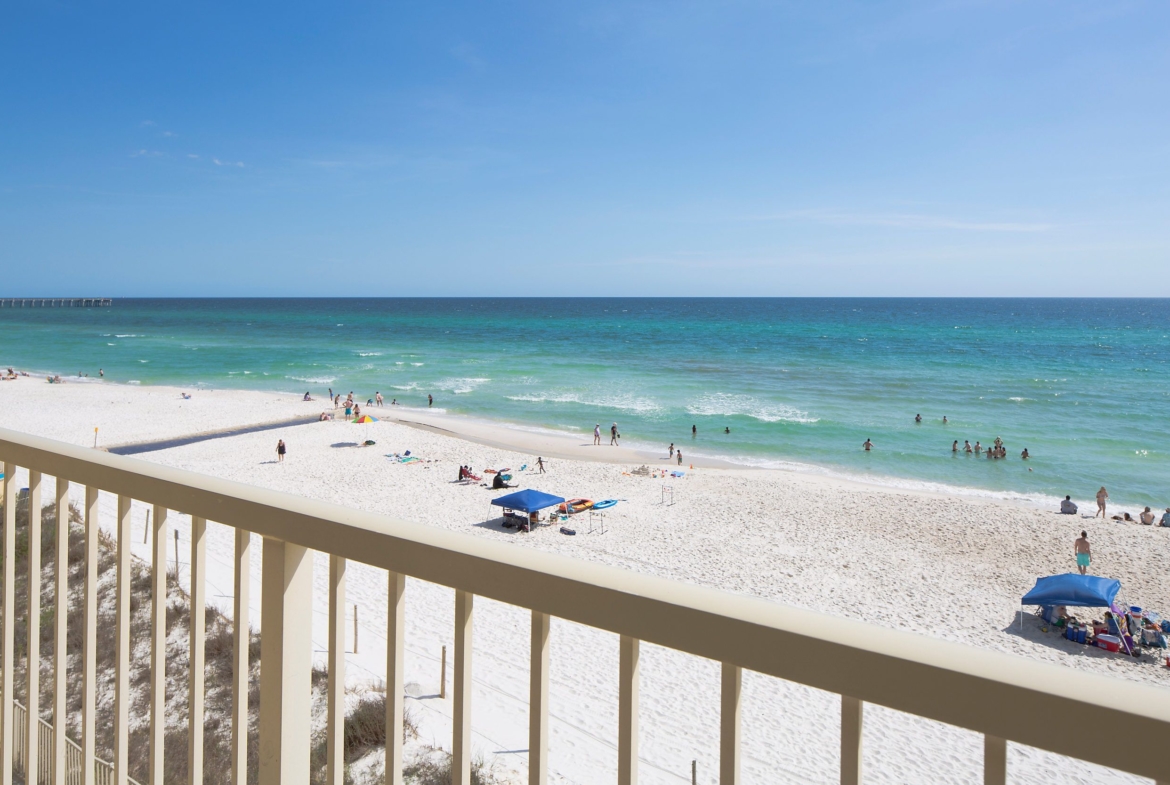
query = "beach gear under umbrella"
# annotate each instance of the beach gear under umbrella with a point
(365, 419)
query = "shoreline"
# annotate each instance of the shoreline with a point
(562, 445)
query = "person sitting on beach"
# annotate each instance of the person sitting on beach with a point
(186, 396)
(394, 402)
(306, 398)
(1124, 517)
(325, 416)
(966, 446)
(498, 482)
(1068, 507)
(1166, 518)
(1147, 517)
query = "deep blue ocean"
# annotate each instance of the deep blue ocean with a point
(1084, 385)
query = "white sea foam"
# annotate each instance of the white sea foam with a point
(369, 354)
(313, 379)
(417, 364)
(628, 403)
(129, 335)
(729, 405)
(459, 386)
(133, 381)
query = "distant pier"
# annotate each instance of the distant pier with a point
(55, 302)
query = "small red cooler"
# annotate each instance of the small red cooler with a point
(1109, 642)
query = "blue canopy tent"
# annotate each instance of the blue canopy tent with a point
(1082, 591)
(527, 500)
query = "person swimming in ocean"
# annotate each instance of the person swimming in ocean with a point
(955, 446)
(978, 448)
(727, 430)
(918, 418)
(944, 419)
(1024, 454)
(868, 445)
(966, 446)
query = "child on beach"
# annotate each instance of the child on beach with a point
(280, 450)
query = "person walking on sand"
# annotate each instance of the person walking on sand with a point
(680, 457)
(597, 435)
(613, 435)
(280, 450)
(1102, 495)
(868, 445)
(671, 455)
(1083, 552)
(540, 464)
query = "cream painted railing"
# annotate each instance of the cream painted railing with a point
(103, 772)
(1112, 722)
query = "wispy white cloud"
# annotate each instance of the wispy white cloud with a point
(146, 154)
(900, 221)
(169, 133)
(192, 155)
(218, 162)
(146, 123)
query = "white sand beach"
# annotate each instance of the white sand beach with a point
(945, 566)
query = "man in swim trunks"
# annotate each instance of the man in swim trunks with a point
(1084, 555)
(1147, 517)
(868, 445)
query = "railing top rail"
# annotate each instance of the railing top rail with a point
(1113, 722)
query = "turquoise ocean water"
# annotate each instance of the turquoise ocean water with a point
(801, 383)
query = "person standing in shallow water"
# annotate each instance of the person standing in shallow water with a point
(868, 445)
(694, 431)
(1102, 496)
(430, 400)
(671, 455)
(280, 450)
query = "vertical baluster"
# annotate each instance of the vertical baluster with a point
(195, 638)
(994, 761)
(628, 711)
(240, 648)
(89, 642)
(9, 644)
(538, 702)
(60, 624)
(122, 674)
(33, 683)
(461, 742)
(335, 732)
(158, 643)
(286, 600)
(729, 722)
(851, 723)
(395, 694)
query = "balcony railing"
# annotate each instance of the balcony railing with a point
(1115, 723)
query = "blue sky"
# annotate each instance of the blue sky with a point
(732, 148)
